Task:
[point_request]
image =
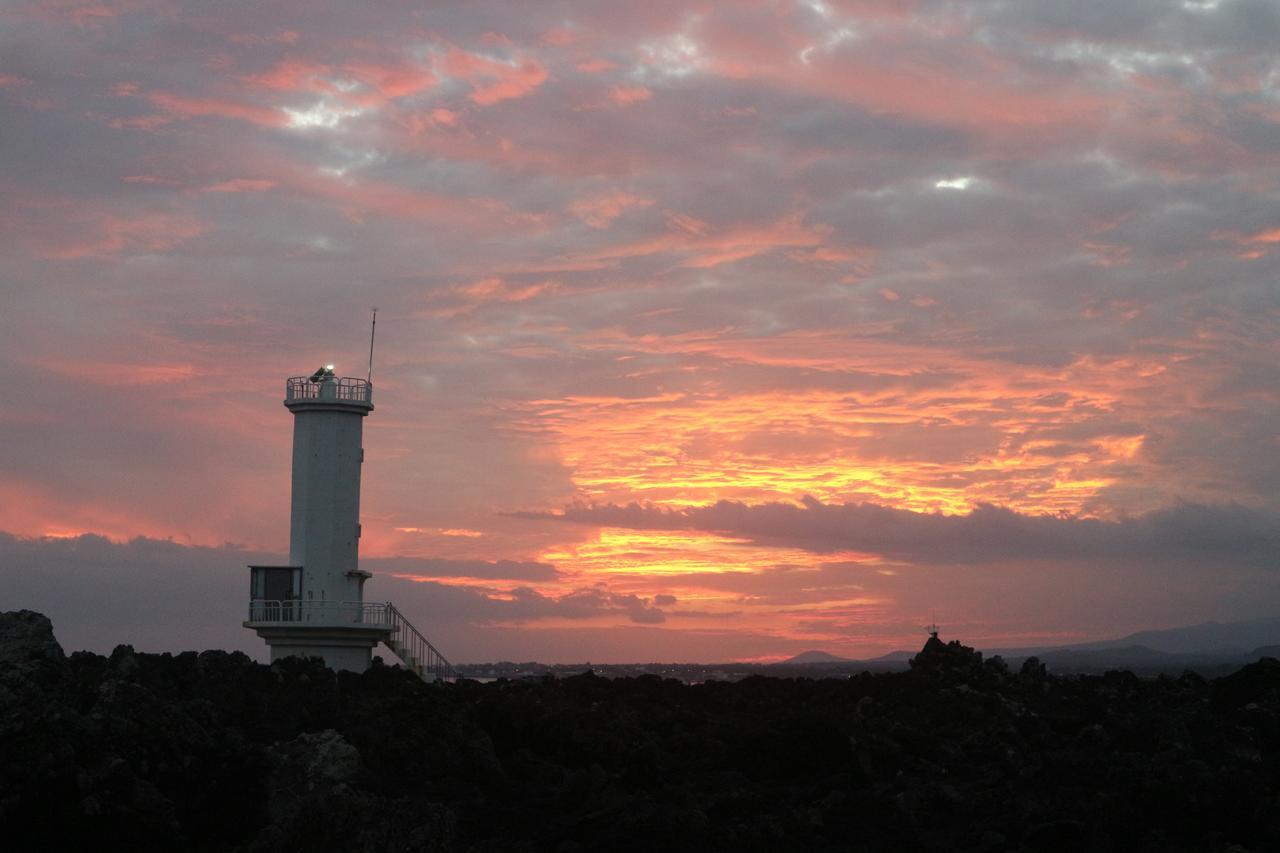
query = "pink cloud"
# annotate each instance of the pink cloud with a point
(595, 66)
(599, 211)
(294, 75)
(493, 80)
(1271, 235)
(381, 82)
(497, 290)
(462, 299)
(111, 234)
(240, 185)
(392, 81)
(191, 107)
(629, 94)
(701, 245)
(118, 373)
(1252, 246)
(147, 123)
(154, 180)
(560, 36)
(281, 37)
(360, 199)
(448, 118)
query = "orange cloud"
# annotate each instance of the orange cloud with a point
(463, 298)
(1252, 246)
(986, 433)
(699, 245)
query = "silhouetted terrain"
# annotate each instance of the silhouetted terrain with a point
(216, 752)
(1211, 649)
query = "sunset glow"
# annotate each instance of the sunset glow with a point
(737, 329)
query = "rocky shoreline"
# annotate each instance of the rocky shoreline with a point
(213, 751)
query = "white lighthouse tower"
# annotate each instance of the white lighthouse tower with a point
(314, 606)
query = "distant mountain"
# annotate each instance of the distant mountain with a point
(1208, 638)
(815, 656)
(1265, 652)
(1128, 655)
(900, 656)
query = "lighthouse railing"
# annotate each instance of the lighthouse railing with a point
(329, 612)
(415, 646)
(348, 389)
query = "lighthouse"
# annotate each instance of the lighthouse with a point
(314, 606)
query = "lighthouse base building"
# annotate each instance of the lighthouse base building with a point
(314, 606)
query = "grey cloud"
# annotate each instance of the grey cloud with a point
(1231, 534)
(1173, 178)
(1230, 24)
(164, 596)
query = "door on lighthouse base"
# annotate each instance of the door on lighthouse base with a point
(279, 590)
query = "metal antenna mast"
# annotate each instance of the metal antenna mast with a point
(372, 330)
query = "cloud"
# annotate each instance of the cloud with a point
(494, 80)
(185, 106)
(599, 211)
(1229, 534)
(240, 185)
(629, 94)
(743, 285)
(422, 567)
(156, 594)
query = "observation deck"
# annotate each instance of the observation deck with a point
(304, 392)
(330, 624)
(373, 616)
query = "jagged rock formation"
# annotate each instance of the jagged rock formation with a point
(216, 752)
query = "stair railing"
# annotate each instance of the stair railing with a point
(416, 646)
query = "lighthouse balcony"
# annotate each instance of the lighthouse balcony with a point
(300, 389)
(291, 612)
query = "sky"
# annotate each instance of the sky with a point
(706, 331)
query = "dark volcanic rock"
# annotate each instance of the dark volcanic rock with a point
(215, 752)
(950, 659)
(1252, 683)
(30, 657)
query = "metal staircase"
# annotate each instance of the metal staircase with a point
(418, 655)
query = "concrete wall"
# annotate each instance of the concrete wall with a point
(324, 531)
(337, 658)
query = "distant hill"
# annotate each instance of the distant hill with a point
(901, 656)
(1207, 638)
(1126, 655)
(815, 656)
